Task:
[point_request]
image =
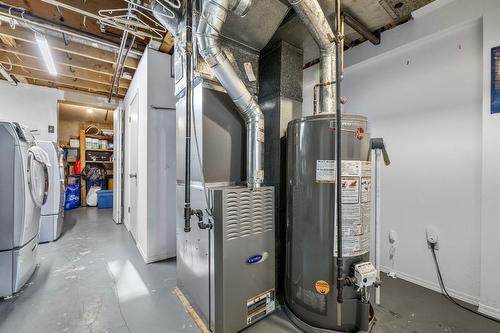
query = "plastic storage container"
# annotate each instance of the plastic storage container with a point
(105, 199)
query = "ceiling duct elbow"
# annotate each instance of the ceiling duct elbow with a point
(212, 18)
(313, 17)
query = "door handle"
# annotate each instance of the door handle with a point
(133, 175)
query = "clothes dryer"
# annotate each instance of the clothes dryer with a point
(25, 184)
(51, 220)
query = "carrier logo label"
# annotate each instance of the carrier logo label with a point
(258, 258)
(322, 287)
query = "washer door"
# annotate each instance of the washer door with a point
(38, 176)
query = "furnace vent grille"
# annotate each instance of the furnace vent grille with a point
(248, 212)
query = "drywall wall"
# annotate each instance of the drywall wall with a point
(430, 120)
(153, 227)
(36, 106)
(31, 106)
(161, 154)
(425, 89)
(490, 226)
(138, 92)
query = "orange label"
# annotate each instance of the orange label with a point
(322, 287)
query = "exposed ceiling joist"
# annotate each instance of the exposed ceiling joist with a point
(71, 19)
(33, 63)
(26, 35)
(75, 61)
(167, 44)
(83, 44)
(62, 80)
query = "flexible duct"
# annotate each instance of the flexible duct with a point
(212, 18)
(311, 14)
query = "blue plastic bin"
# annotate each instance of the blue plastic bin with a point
(105, 199)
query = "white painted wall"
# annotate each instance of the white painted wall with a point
(36, 106)
(31, 106)
(431, 123)
(490, 225)
(154, 229)
(425, 89)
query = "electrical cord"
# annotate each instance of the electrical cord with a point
(445, 293)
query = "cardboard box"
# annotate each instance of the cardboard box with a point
(74, 143)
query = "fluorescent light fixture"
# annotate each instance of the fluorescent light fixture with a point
(7, 76)
(90, 110)
(46, 55)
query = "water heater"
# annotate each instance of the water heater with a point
(310, 277)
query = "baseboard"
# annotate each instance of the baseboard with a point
(432, 286)
(143, 254)
(489, 310)
(159, 257)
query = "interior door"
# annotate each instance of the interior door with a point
(133, 122)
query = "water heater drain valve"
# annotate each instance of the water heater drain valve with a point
(365, 275)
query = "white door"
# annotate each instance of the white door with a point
(132, 157)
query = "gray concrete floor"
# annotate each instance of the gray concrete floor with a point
(94, 280)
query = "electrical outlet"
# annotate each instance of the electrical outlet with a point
(393, 236)
(432, 236)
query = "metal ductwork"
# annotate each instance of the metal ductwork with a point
(311, 14)
(169, 18)
(212, 18)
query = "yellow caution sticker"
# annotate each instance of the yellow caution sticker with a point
(322, 287)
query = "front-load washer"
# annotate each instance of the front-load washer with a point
(51, 220)
(25, 183)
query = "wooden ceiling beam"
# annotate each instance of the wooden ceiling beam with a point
(63, 86)
(71, 19)
(75, 61)
(26, 35)
(167, 44)
(32, 63)
(62, 80)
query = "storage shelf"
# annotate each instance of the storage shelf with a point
(102, 137)
(104, 162)
(83, 157)
(98, 149)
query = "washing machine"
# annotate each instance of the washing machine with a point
(24, 171)
(51, 220)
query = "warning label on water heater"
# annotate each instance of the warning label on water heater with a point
(356, 197)
(325, 171)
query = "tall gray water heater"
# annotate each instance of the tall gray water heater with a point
(310, 277)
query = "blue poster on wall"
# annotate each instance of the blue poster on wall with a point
(495, 80)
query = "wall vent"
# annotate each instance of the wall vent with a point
(248, 212)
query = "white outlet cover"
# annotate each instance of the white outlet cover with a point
(432, 235)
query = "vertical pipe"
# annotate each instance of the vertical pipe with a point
(338, 151)
(377, 221)
(123, 44)
(189, 105)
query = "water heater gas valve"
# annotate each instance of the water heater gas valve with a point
(365, 275)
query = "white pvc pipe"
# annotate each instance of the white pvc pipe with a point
(377, 222)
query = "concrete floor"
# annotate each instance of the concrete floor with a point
(94, 280)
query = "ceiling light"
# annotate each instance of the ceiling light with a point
(46, 55)
(7, 76)
(90, 110)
